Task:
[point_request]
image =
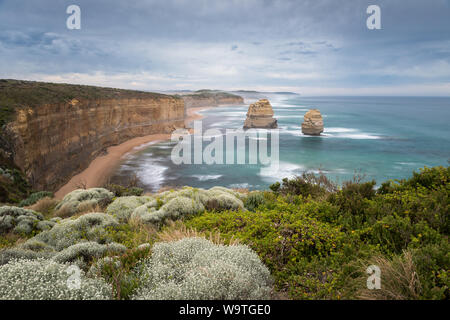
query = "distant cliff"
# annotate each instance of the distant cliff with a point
(210, 98)
(53, 131)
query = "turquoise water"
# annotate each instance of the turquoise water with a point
(379, 137)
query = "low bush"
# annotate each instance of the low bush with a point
(120, 191)
(173, 205)
(310, 238)
(82, 199)
(254, 200)
(35, 197)
(22, 221)
(89, 227)
(124, 272)
(308, 184)
(42, 279)
(84, 253)
(122, 208)
(197, 269)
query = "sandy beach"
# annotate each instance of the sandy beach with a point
(102, 167)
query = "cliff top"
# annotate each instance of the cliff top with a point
(260, 108)
(205, 93)
(19, 93)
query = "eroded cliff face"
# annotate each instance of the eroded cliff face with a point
(260, 115)
(53, 142)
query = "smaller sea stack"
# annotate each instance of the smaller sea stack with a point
(313, 123)
(260, 115)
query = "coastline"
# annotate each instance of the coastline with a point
(102, 167)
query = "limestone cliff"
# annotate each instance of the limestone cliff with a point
(56, 135)
(210, 98)
(260, 115)
(313, 123)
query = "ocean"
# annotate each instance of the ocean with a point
(378, 138)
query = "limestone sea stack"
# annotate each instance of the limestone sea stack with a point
(313, 123)
(260, 115)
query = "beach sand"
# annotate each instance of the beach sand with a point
(102, 167)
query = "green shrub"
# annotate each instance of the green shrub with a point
(254, 200)
(197, 269)
(289, 240)
(120, 191)
(123, 272)
(35, 197)
(308, 184)
(11, 254)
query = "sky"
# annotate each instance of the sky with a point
(312, 47)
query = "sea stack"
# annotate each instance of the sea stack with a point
(260, 115)
(313, 123)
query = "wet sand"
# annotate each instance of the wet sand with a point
(101, 168)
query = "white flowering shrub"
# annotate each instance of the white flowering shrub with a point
(88, 227)
(81, 199)
(42, 279)
(36, 245)
(187, 201)
(23, 221)
(7, 255)
(229, 191)
(122, 208)
(85, 252)
(197, 269)
(174, 209)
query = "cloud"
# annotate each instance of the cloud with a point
(313, 46)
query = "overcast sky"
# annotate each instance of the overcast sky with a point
(313, 47)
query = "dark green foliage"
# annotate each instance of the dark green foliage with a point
(35, 197)
(305, 185)
(124, 272)
(6, 114)
(120, 191)
(311, 237)
(254, 200)
(15, 188)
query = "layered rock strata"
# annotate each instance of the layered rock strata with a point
(51, 142)
(312, 123)
(260, 115)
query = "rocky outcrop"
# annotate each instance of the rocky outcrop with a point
(260, 115)
(51, 142)
(313, 123)
(210, 98)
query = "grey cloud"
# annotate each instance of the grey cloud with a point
(233, 42)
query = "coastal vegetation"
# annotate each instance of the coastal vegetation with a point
(305, 238)
(20, 93)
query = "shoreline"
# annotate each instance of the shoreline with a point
(99, 170)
